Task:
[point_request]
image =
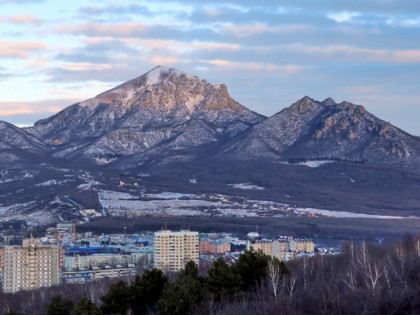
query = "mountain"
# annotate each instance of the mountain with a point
(163, 110)
(16, 143)
(168, 131)
(167, 116)
(312, 130)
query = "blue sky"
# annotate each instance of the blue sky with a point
(268, 53)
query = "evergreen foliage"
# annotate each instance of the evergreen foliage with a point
(60, 305)
(85, 307)
(146, 289)
(180, 296)
(222, 279)
(117, 300)
(252, 268)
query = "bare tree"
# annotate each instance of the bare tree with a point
(274, 274)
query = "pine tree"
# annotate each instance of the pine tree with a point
(252, 267)
(117, 300)
(180, 296)
(60, 305)
(222, 279)
(146, 290)
(85, 307)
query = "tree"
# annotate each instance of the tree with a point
(222, 279)
(117, 299)
(252, 267)
(180, 296)
(146, 290)
(60, 305)
(85, 307)
(191, 269)
(275, 270)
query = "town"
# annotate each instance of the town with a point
(64, 256)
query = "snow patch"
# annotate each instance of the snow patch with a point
(193, 102)
(315, 163)
(345, 214)
(246, 186)
(311, 163)
(167, 195)
(53, 182)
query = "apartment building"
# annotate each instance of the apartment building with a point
(301, 245)
(31, 265)
(208, 246)
(283, 248)
(97, 273)
(266, 246)
(172, 250)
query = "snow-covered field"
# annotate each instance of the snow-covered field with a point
(246, 186)
(313, 163)
(345, 214)
(167, 195)
(169, 203)
(53, 182)
(19, 212)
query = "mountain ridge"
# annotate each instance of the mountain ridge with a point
(169, 115)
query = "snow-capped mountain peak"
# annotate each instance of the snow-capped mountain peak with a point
(163, 106)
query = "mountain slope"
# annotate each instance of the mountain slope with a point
(164, 107)
(325, 130)
(16, 142)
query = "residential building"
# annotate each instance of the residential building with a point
(172, 250)
(301, 245)
(214, 247)
(264, 245)
(282, 248)
(98, 273)
(31, 265)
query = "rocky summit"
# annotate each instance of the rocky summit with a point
(167, 115)
(164, 108)
(312, 130)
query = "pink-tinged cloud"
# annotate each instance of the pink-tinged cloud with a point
(100, 29)
(16, 111)
(19, 49)
(21, 19)
(163, 61)
(344, 53)
(258, 28)
(161, 43)
(86, 66)
(256, 66)
(46, 106)
(36, 63)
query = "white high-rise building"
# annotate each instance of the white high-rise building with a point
(30, 266)
(172, 250)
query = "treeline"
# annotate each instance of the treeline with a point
(367, 279)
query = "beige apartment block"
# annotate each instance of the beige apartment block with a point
(30, 266)
(172, 250)
(266, 246)
(301, 245)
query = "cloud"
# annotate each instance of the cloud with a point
(255, 66)
(21, 19)
(47, 106)
(86, 66)
(257, 28)
(19, 49)
(101, 29)
(345, 53)
(132, 8)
